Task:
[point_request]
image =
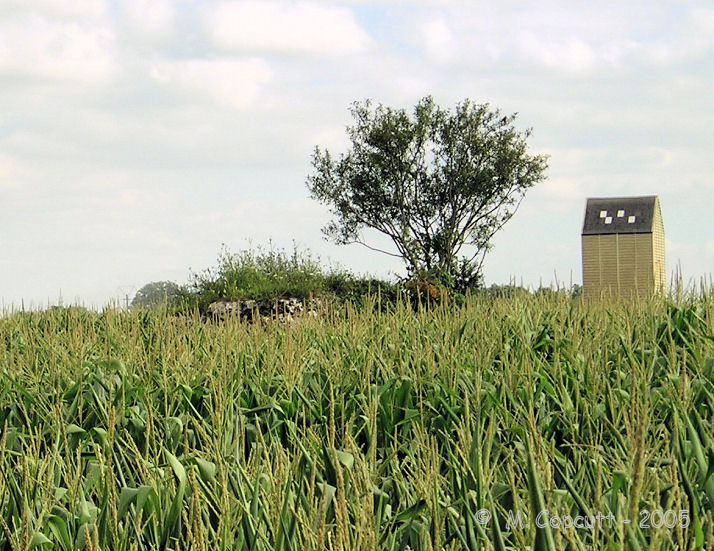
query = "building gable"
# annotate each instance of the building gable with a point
(619, 215)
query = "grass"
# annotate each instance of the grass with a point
(365, 429)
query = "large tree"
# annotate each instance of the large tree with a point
(438, 183)
(156, 293)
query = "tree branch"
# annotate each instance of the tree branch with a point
(359, 242)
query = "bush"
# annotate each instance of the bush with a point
(258, 274)
(349, 288)
(269, 274)
(424, 289)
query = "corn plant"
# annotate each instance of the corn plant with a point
(409, 428)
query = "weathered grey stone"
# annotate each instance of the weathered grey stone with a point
(284, 310)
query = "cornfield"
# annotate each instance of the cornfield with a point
(423, 429)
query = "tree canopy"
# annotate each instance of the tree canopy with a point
(156, 293)
(438, 183)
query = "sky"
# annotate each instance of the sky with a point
(137, 137)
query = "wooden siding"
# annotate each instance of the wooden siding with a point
(660, 270)
(618, 265)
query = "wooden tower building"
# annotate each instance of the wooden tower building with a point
(623, 247)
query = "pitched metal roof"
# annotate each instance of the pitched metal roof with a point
(619, 215)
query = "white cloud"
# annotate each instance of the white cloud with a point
(569, 38)
(439, 41)
(560, 190)
(287, 27)
(569, 53)
(73, 8)
(35, 46)
(39, 144)
(127, 118)
(228, 82)
(681, 253)
(332, 138)
(150, 16)
(9, 169)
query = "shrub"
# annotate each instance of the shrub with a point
(350, 288)
(269, 274)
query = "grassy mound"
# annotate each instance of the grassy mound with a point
(269, 274)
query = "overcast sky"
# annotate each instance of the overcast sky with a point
(137, 136)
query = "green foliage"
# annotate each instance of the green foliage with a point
(158, 293)
(380, 429)
(357, 290)
(509, 291)
(268, 274)
(260, 274)
(438, 183)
